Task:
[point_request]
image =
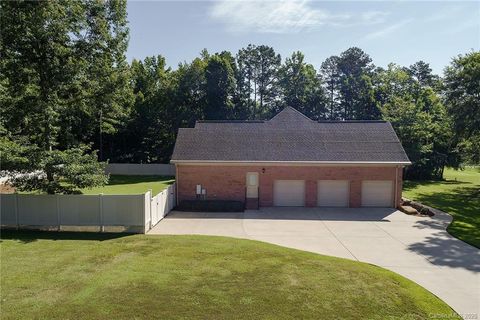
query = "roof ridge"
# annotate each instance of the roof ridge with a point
(352, 121)
(230, 121)
(313, 121)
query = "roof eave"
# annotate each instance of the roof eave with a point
(177, 161)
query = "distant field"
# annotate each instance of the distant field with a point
(459, 195)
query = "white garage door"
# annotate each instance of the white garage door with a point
(333, 193)
(289, 193)
(377, 193)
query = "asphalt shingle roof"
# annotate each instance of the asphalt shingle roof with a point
(289, 136)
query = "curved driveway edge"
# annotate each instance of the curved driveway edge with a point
(418, 248)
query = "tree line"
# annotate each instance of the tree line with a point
(65, 85)
(255, 83)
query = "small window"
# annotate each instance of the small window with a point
(252, 178)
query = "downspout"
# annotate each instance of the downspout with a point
(396, 187)
(176, 184)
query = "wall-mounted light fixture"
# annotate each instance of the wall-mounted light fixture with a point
(263, 170)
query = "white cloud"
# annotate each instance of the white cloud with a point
(388, 30)
(446, 13)
(373, 17)
(464, 26)
(284, 16)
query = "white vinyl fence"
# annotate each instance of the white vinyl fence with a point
(140, 169)
(103, 213)
(161, 205)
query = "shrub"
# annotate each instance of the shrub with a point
(211, 205)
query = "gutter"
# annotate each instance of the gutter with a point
(395, 197)
(396, 163)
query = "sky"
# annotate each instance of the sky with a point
(402, 32)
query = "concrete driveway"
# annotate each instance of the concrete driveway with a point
(415, 247)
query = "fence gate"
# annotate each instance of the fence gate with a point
(162, 204)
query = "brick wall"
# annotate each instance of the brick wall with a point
(228, 182)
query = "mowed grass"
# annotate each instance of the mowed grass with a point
(101, 276)
(459, 195)
(120, 184)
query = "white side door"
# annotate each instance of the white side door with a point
(252, 185)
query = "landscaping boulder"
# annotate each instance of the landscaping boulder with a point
(409, 210)
(421, 209)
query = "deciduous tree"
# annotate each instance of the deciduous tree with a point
(419, 119)
(30, 168)
(301, 87)
(220, 88)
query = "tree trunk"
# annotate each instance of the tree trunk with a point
(331, 100)
(100, 137)
(255, 100)
(249, 98)
(50, 187)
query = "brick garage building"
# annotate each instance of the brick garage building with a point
(291, 160)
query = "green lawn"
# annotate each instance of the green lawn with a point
(119, 184)
(459, 195)
(101, 276)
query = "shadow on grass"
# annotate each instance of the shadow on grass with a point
(464, 201)
(28, 236)
(463, 204)
(412, 184)
(122, 179)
